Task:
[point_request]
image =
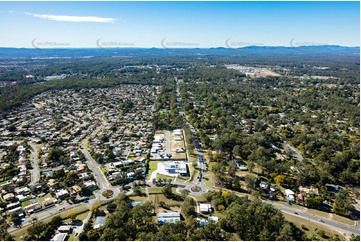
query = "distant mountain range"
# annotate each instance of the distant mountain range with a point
(107, 52)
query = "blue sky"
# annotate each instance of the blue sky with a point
(178, 24)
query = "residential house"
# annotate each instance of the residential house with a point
(59, 237)
(17, 210)
(333, 188)
(49, 201)
(213, 218)
(290, 195)
(22, 190)
(168, 217)
(12, 205)
(75, 189)
(32, 207)
(308, 191)
(90, 184)
(99, 221)
(205, 208)
(64, 229)
(61, 194)
(8, 196)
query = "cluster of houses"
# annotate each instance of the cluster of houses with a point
(123, 115)
(22, 202)
(167, 145)
(204, 208)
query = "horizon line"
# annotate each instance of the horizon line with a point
(186, 48)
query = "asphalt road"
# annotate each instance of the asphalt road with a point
(200, 158)
(46, 213)
(93, 166)
(102, 181)
(105, 185)
(293, 151)
(343, 228)
(35, 173)
(286, 209)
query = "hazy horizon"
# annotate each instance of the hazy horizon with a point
(178, 24)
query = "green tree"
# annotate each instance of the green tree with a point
(167, 191)
(36, 230)
(111, 207)
(188, 207)
(250, 182)
(71, 216)
(342, 203)
(279, 179)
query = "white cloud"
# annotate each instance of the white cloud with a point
(77, 19)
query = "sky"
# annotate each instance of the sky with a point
(178, 24)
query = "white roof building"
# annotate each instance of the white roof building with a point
(205, 208)
(59, 237)
(99, 221)
(168, 218)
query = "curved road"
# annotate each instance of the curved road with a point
(285, 209)
(104, 184)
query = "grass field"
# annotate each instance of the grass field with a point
(157, 197)
(200, 199)
(153, 165)
(154, 190)
(72, 237)
(192, 172)
(312, 227)
(332, 216)
(25, 203)
(165, 177)
(80, 216)
(42, 199)
(209, 178)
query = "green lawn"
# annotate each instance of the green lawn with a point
(80, 216)
(25, 203)
(72, 237)
(103, 169)
(209, 178)
(154, 190)
(312, 227)
(200, 199)
(332, 216)
(42, 199)
(161, 176)
(153, 165)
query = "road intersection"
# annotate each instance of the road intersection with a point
(104, 184)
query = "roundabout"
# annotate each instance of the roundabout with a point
(107, 193)
(196, 189)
